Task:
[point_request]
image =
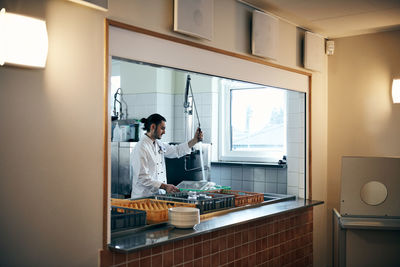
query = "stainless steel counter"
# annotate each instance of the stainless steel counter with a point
(132, 240)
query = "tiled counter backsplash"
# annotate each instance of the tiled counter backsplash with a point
(249, 178)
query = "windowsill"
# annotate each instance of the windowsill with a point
(240, 163)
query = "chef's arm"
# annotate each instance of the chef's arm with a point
(177, 151)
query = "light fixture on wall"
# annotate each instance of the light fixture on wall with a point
(23, 40)
(396, 90)
(101, 5)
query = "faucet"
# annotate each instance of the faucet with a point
(115, 113)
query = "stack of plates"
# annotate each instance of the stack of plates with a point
(184, 217)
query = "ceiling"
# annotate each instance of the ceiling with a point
(335, 18)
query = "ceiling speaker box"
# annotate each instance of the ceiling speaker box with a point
(314, 51)
(264, 41)
(194, 18)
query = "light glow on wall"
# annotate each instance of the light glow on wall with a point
(96, 4)
(396, 90)
(23, 40)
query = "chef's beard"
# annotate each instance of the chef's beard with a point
(156, 136)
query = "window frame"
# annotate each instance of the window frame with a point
(139, 44)
(225, 131)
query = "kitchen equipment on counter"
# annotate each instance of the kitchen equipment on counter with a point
(126, 218)
(156, 210)
(200, 186)
(189, 167)
(243, 198)
(125, 130)
(366, 231)
(206, 202)
(121, 185)
(184, 217)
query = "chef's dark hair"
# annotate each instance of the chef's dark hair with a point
(153, 118)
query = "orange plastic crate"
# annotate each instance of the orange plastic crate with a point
(242, 198)
(156, 210)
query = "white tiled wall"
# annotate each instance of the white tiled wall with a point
(296, 144)
(143, 105)
(250, 178)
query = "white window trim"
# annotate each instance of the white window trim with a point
(224, 133)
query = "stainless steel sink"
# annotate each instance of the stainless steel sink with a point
(273, 198)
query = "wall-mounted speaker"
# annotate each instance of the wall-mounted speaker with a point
(264, 36)
(194, 17)
(314, 51)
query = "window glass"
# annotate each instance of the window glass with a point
(257, 120)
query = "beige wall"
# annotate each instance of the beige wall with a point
(363, 121)
(51, 143)
(51, 156)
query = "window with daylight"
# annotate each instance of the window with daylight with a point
(255, 122)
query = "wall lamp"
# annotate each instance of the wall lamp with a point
(396, 90)
(23, 40)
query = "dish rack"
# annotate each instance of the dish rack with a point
(206, 202)
(242, 198)
(125, 218)
(156, 210)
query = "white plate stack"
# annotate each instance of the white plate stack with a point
(184, 217)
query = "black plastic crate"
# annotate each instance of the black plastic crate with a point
(205, 205)
(125, 218)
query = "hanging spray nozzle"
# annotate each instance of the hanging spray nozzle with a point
(186, 103)
(188, 106)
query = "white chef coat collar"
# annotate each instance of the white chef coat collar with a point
(160, 144)
(148, 139)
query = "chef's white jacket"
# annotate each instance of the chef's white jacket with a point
(148, 165)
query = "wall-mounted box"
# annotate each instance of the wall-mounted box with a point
(194, 18)
(264, 41)
(314, 51)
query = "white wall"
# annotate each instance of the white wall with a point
(51, 171)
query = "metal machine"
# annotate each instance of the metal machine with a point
(366, 231)
(121, 185)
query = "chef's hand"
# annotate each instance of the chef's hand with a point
(198, 136)
(170, 188)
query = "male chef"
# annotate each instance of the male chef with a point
(148, 163)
